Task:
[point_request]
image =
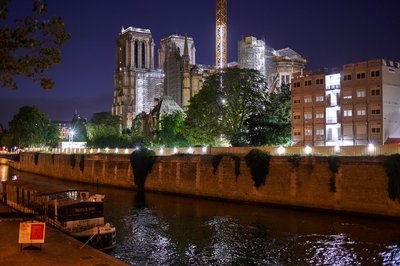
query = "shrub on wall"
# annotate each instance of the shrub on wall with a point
(392, 167)
(294, 159)
(258, 162)
(333, 164)
(36, 158)
(217, 160)
(72, 160)
(142, 163)
(82, 163)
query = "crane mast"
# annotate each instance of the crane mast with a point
(221, 34)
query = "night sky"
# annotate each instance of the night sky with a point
(326, 33)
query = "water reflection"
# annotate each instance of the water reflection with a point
(154, 229)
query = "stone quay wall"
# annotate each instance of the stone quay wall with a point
(361, 184)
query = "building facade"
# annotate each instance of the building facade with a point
(136, 84)
(277, 66)
(356, 106)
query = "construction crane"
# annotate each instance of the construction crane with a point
(220, 34)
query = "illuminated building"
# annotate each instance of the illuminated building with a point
(356, 106)
(277, 66)
(136, 84)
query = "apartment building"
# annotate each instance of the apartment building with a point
(355, 106)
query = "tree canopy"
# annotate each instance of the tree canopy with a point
(272, 125)
(29, 46)
(31, 127)
(215, 113)
(170, 133)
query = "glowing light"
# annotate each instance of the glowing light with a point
(126, 151)
(204, 149)
(371, 147)
(337, 148)
(98, 150)
(161, 150)
(175, 150)
(281, 150)
(307, 149)
(91, 150)
(107, 150)
(137, 148)
(190, 150)
(116, 150)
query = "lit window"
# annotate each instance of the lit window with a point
(308, 100)
(319, 115)
(308, 116)
(361, 94)
(347, 112)
(308, 132)
(319, 98)
(347, 96)
(319, 132)
(361, 112)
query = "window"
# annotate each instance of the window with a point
(375, 92)
(296, 133)
(347, 77)
(285, 79)
(296, 99)
(308, 132)
(308, 116)
(320, 81)
(375, 129)
(308, 100)
(319, 115)
(361, 94)
(360, 75)
(296, 115)
(319, 98)
(307, 83)
(376, 111)
(319, 132)
(375, 73)
(347, 112)
(347, 94)
(296, 84)
(361, 112)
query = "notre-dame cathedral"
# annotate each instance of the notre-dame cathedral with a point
(138, 86)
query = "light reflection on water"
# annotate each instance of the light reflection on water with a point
(154, 229)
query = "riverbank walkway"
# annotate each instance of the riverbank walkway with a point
(58, 249)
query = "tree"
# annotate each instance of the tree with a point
(31, 127)
(170, 133)
(30, 46)
(104, 130)
(272, 125)
(213, 113)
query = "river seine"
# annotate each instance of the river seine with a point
(155, 229)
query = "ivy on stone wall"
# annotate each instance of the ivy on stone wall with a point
(294, 159)
(333, 164)
(392, 167)
(217, 160)
(258, 162)
(82, 163)
(72, 160)
(36, 158)
(142, 163)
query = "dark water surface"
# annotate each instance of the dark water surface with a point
(155, 229)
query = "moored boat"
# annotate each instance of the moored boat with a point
(73, 211)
